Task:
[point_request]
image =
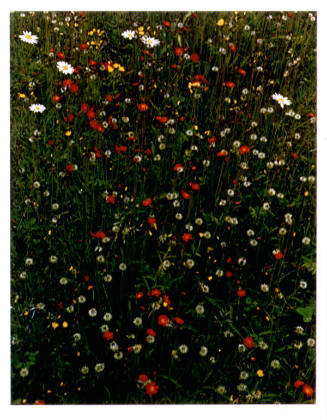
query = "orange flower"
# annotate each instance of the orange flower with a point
(163, 320)
(241, 293)
(230, 85)
(166, 23)
(185, 195)
(179, 51)
(242, 72)
(279, 255)
(155, 292)
(244, 149)
(151, 388)
(163, 120)
(194, 186)
(307, 390)
(39, 402)
(56, 98)
(147, 202)
(151, 332)
(298, 383)
(187, 237)
(248, 342)
(143, 107)
(111, 199)
(179, 320)
(195, 57)
(151, 221)
(178, 167)
(108, 335)
(143, 377)
(139, 295)
(232, 47)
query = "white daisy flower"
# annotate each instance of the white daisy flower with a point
(65, 68)
(29, 38)
(282, 100)
(37, 108)
(150, 42)
(128, 34)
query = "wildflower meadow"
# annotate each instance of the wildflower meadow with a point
(163, 207)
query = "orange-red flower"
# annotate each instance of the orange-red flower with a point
(307, 390)
(178, 167)
(151, 388)
(163, 320)
(108, 335)
(248, 342)
(195, 57)
(151, 221)
(187, 237)
(232, 47)
(279, 255)
(139, 295)
(179, 51)
(163, 120)
(230, 85)
(298, 383)
(143, 377)
(56, 98)
(241, 292)
(147, 202)
(244, 149)
(151, 332)
(194, 186)
(178, 320)
(186, 195)
(143, 107)
(166, 23)
(242, 72)
(111, 199)
(39, 402)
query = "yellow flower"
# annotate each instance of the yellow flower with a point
(55, 325)
(220, 22)
(65, 324)
(110, 68)
(68, 133)
(21, 95)
(260, 373)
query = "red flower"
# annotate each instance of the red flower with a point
(241, 293)
(178, 167)
(199, 77)
(139, 295)
(56, 98)
(100, 234)
(248, 342)
(212, 140)
(67, 83)
(195, 57)
(108, 335)
(85, 108)
(61, 55)
(111, 199)
(151, 221)
(166, 23)
(185, 195)
(143, 377)
(279, 255)
(147, 202)
(230, 85)
(70, 167)
(92, 63)
(229, 274)
(242, 72)
(244, 149)
(187, 237)
(163, 120)
(194, 186)
(74, 88)
(83, 46)
(307, 390)
(151, 332)
(163, 320)
(232, 47)
(90, 114)
(179, 320)
(179, 51)
(298, 383)
(155, 292)
(143, 107)
(39, 402)
(222, 153)
(151, 388)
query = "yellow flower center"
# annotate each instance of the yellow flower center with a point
(28, 36)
